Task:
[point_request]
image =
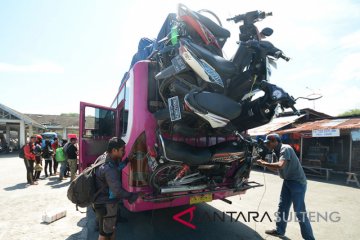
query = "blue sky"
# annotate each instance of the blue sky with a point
(54, 54)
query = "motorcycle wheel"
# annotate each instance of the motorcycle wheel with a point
(163, 174)
(241, 176)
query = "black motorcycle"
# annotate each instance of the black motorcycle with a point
(187, 168)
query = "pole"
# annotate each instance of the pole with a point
(22, 136)
(350, 154)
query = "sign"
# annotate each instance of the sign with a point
(174, 108)
(326, 133)
(355, 135)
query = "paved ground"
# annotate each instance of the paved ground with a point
(22, 207)
(321, 197)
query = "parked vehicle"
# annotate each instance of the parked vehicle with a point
(130, 117)
(182, 127)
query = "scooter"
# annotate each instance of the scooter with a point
(187, 168)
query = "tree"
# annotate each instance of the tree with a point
(349, 113)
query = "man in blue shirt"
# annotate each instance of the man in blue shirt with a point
(293, 188)
(108, 181)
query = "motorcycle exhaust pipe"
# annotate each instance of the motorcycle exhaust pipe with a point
(184, 188)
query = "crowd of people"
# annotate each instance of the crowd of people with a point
(47, 155)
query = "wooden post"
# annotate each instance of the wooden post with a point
(350, 153)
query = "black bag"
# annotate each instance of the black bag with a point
(21, 152)
(82, 190)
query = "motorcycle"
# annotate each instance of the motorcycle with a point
(188, 168)
(213, 73)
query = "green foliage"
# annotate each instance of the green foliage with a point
(349, 113)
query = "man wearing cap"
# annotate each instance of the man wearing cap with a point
(293, 188)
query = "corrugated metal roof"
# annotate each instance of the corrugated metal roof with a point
(352, 123)
(273, 125)
(21, 116)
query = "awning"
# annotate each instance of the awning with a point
(340, 123)
(273, 125)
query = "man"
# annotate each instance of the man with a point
(29, 159)
(71, 152)
(293, 188)
(108, 182)
(54, 146)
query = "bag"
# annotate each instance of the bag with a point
(38, 168)
(60, 155)
(47, 152)
(21, 152)
(82, 190)
(65, 148)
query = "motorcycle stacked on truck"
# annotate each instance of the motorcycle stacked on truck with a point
(183, 110)
(204, 94)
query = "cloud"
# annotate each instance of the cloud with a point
(43, 67)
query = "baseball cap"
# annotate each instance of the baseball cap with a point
(272, 136)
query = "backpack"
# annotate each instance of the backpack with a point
(60, 155)
(82, 190)
(47, 152)
(65, 149)
(21, 152)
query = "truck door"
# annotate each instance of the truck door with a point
(97, 124)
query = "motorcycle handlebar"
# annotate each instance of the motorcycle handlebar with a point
(251, 17)
(284, 57)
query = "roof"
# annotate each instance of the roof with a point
(273, 125)
(336, 123)
(56, 121)
(60, 121)
(21, 116)
(306, 111)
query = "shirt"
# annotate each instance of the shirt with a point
(293, 169)
(28, 152)
(108, 181)
(71, 151)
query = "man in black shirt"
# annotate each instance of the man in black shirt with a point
(72, 152)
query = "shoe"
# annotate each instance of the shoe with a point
(60, 179)
(273, 232)
(34, 183)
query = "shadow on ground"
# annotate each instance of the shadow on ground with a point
(16, 187)
(158, 224)
(82, 233)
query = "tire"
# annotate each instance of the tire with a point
(156, 183)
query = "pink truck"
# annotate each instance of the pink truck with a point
(131, 117)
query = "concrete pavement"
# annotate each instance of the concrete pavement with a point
(322, 198)
(22, 206)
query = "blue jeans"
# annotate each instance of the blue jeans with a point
(293, 192)
(62, 168)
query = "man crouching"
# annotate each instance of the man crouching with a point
(108, 181)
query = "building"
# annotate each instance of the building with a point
(332, 143)
(62, 124)
(15, 127)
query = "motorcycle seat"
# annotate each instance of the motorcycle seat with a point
(214, 103)
(186, 153)
(217, 30)
(224, 67)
